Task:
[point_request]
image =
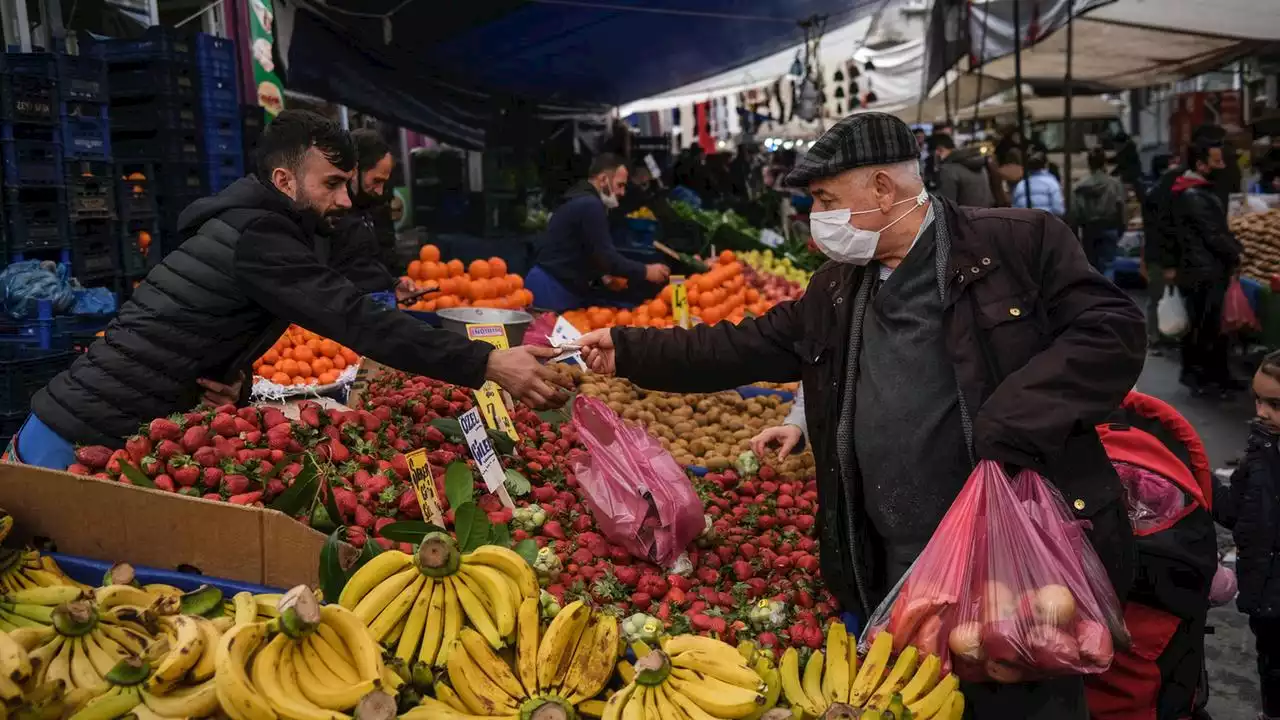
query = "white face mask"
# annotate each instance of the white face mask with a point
(844, 243)
(609, 199)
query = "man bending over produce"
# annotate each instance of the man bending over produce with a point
(938, 336)
(257, 258)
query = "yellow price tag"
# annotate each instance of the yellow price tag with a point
(425, 486)
(489, 397)
(680, 302)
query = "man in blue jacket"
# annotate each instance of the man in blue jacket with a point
(577, 251)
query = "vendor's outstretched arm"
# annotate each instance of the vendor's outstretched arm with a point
(606, 256)
(279, 271)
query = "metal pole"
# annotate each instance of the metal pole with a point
(17, 26)
(344, 117)
(1017, 84)
(982, 57)
(1066, 112)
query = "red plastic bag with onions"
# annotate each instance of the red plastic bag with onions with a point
(640, 496)
(1008, 588)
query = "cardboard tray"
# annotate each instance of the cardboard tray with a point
(112, 522)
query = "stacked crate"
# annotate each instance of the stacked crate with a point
(35, 214)
(220, 111)
(90, 175)
(156, 122)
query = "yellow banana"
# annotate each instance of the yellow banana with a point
(697, 643)
(372, 574)
(82, 670)
(100, 658)
(331, 638)
(246, 609)
(45, 595)
(60, 665)
(836, 681)
(391, 681)
(559, 643)
(813, 680)
(274, 677)
(196, 701)
(14, 662)
(309, 657)
(395, 611)
(773, 687)
(42, 657)
(481, 695)
(183, 655)
(128, 639)
(717, 697)
(407, 647)
(527, 645)
(432, 709)
(635, 707)
(339, 665)
(599, 661)
(328, 695)
(479, 617)
(483, 657)
(873, 668)
(737, 674)
(203, 669)
(453, 614)
(378, 598)
(503, 604)
(31, 638)
(923, 680)
(509, 563)
(163, 589)
(792, 687)
(116, 703)
(955, 707)
(898, 677)
(626, 671)
(935, 700)
(575, 661)
(364, 651)
(445, 694)
(614, 706)
(116, 595)
(663, 707)
(688, 707)
(236, 694)
(433, 631)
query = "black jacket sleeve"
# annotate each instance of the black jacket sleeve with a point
(357, 256)
(709, 358)
(1206, 221)
(282, 273)
(1097, 353)
(1226, 499)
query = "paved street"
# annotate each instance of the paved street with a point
(1222, 426)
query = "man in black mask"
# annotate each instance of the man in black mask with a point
(365, 237)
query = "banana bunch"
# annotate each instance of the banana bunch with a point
(418, 605)
(692, 677)
(549, 675)
(833, 684)
(309, 663)
(24, 569)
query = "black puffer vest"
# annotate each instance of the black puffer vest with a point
(187, 320)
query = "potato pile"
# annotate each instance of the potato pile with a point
(1259, 233)
(707, 430)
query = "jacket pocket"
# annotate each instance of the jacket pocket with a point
(1012, 330)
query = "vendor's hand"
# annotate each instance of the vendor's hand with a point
(216, 393)
(520, 373)
(405, 288)
(657, 273)
(1170, 275)
(597, 351)
(786, 437)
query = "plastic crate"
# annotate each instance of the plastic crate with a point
(82, 78)
(163, 113)
(86, 131)
(215, 147)
(224, 128)
(82, 168)
(95, 254)
(157, 43)
(133, 256)
(89, 571)
(162, 146)
(58, 332)
(37, 220)
(25, 369)
(28, 99)
(29, 163)
(135, 199)
(216, 57)
(10, 424)
(149, 80)
(218, 98)
(91, 198)
(178, 180)
(218, 175)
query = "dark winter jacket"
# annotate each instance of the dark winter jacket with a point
(1044, 348)
(577, 249)
(362, 250)
(252, 264)
(1207, 249)
(1251, 510)
(962, 178)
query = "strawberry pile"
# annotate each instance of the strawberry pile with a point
(752, 574)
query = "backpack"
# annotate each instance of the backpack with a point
(1094, 205)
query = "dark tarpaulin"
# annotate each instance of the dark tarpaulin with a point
(448, 64)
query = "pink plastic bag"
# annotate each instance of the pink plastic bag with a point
(1008, 588)
(1224, 587)
(640, 496)
(538, 333)
(1237, 315)
(1153, 502)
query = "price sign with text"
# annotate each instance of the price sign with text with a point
(680, 302)
(425, 486)
(482, 452)
(489, 397)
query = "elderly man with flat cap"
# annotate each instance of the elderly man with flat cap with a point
(936, 337)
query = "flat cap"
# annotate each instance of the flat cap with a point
(869, 138)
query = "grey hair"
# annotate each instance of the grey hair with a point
(905, 175)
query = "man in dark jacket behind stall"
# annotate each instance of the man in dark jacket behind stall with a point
(577, 250)
(964, 335)
(257, 258)
(962, 174)
(1208, 255)
(365, 237)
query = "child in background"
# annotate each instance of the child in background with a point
(1250, 508)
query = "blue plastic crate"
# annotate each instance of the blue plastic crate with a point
(36, 64)
(25, 369)
(157, 43)
(152, 79)
(36, 220)
(218, 98)
(133, 258)
(215, 57)
(90, 571)
(163, 146)
(156, 114)
(91, 198)
(219, 175)
(28, 99)
(82, 78)
(86, 131)
(135, 199)
(226, 128)
(217, 146)
(95, 253)
(56, 332)
(29, 163)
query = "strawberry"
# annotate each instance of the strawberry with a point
(78, 469)
(653, 585)
(249, 414)
(346, 502)
(747, 550)
(164, 429)
(627, 575)
(275, 486)
(113, 464)
(93, 457)
(641, 601)
(186, 475)
(701, 622)
(206, 457)
(381, 523)
(804, 523)
(401, 467)
(582, 556)
(167, 449)
(138, 447)
(553, 529)
(224, 425)
(235, 484)
(501, 516)
(212, 496)
(243, 427)
(363, 517)
(786, 502)
(356, 536)
(164, 482)
(707, 576)
(408, 506)
(196, 437)
(743, 570)
(807, 562)
(680, 581)
(272, 417)
(245, 498)
(619, 554)
(767, 639)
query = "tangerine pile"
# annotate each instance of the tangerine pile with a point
(483, 283)
(718, 295)
(301, 357)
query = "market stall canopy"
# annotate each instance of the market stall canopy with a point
(1082, 107)
(961, 91)
(441, 68)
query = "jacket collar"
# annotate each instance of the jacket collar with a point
(973, 255)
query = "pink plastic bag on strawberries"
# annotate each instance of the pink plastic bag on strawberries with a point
(640, 496)
(1008, 588)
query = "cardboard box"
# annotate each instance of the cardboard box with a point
(109, 521)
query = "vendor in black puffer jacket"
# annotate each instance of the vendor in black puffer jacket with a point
(256, 259)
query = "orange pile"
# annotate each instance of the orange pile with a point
(720, 294)
(485, 283)
(301, 357)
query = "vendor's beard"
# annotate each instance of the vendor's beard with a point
(324, 222)
(364, 200)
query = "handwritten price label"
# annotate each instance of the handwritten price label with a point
(424, 485)
(489, 397)
(486, 457)
(680, 301)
